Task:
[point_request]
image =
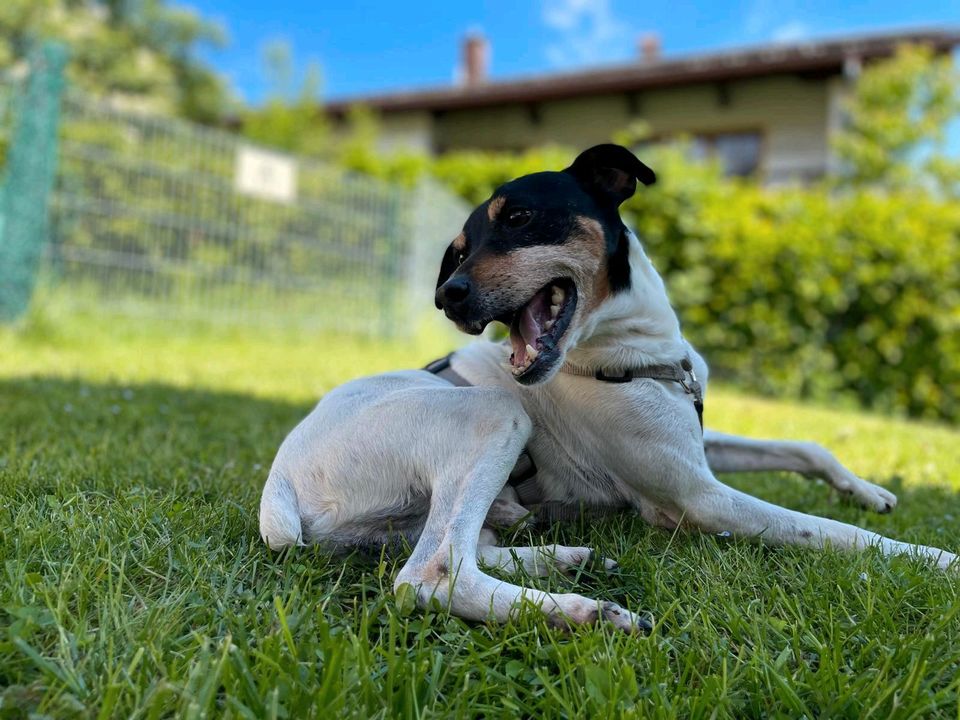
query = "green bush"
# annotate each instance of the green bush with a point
(806, 293)
(474, 175)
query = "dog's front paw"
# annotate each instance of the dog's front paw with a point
(623, 619)
(872, 497)
(578, 610)
(948, 561)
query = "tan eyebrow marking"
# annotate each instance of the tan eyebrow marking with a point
(459, 242)
(495, 206)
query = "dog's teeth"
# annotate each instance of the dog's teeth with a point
(554, 310)
(548, 324)
(557, 297)
(531, 353)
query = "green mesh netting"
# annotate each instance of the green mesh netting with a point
(30, 115)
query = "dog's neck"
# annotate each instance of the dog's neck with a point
(634, 328)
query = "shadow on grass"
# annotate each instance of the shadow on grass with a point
(112, 437)
(59, 435)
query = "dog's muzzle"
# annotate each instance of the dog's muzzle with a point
(459, 302)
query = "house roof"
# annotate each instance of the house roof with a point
(818, 57)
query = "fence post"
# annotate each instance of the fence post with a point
(29, 176)
(397, 242)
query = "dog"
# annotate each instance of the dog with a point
(596, 389)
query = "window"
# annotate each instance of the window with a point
(738, 152)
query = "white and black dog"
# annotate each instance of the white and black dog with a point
(597, 387)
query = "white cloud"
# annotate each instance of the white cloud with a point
(587, 32)
(775, 20)
(790, 32)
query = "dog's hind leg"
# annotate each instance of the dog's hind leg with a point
(443, 564)
(714, 507)
(730, 453)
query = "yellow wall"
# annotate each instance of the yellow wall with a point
(792, 114)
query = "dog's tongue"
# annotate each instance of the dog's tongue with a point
(528, 326)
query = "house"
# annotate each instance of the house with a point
(765, 111)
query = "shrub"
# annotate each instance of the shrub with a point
(805, 293)
(474, 175)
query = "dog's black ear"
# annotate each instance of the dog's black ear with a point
(447, 266)
(610, 172)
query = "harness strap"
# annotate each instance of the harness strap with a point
(681, 373)
(441, 368)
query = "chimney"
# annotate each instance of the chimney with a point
(648, 47)
(476, 59)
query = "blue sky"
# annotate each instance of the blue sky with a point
(382, 45)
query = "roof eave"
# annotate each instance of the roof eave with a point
(812, 58)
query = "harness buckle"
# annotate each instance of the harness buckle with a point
(694, 387)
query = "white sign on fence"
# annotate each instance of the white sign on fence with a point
(266, 175)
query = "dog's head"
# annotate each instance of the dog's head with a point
(541, 255)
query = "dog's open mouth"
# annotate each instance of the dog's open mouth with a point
(538, 326)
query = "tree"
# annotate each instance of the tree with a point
(290, 119)
(897, 121)
(137, 53)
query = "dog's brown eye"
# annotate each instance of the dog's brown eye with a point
(461, 256)
(518, 217)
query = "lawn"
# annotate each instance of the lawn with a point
(134, 583)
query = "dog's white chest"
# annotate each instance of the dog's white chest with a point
(570, 471)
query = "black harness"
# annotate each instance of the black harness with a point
(523, 477)
(681, 372)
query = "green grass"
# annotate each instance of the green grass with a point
(134, 583)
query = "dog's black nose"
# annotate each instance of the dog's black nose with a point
(453, 292)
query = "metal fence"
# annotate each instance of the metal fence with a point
(153, 216)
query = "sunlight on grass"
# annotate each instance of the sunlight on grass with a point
(288, 363)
